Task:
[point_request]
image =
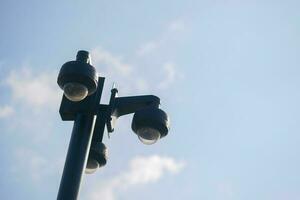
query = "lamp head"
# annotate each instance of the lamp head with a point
(97, 158)
(78, 78)
(150, 124)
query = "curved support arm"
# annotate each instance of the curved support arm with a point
(119, 106)
(127, 105)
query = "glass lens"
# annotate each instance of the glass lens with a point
(91, 166)
(148, 135)
(75, 91)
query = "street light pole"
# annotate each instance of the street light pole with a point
(76, 157)
(81, 104)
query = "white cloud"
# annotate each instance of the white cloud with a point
(167, 36)
(34, 167)
(115, 69)
(149, 169)
(177, 25)
(142, 170)
(142, 85)
(158, 47)
(30, 162)
(35, 89)
(35, 98)
(6, 111)
(129, 77)
(170, 75)
(148, 47)
(102, 56)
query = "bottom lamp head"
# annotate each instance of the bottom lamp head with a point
(97, 158)
(91, 166)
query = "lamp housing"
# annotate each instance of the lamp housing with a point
(150, 124)
(75, 77)
(97, 157)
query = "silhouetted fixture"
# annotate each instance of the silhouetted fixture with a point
(81, 103)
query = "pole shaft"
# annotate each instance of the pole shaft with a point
(77, 155)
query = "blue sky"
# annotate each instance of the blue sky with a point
(227, 73)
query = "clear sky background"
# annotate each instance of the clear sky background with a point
(227, 72)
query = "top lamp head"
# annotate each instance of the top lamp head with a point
(78, 78)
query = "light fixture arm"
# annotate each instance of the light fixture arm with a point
(119, 106)
(127, 105)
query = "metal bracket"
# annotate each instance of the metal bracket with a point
(119, 106)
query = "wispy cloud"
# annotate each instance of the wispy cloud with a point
(6, 111)
(34, 99)
(171, 74)
(148, 47)
(100, 55)
(177, 25)
(142, 170)
(129, 77)
(115, 69)
(30, 162)
(38, 167)
(34, 89)
(171, 31)
(142, 84)
(156, 48)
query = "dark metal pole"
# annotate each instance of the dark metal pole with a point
(77, 155)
